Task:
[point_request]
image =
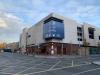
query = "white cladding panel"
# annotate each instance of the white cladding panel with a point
(97, 35)
(92, 42)
(70, 32)
(22, 42)
(70, 28)
(36, 33)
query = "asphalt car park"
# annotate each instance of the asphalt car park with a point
(17, 64)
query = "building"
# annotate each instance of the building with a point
(2, 46)
(14, 47)
(57, 35)
(23, 42)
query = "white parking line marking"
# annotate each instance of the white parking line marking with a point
(56, 69)
(16, 64)
(47, 64)
(26, 62)
(55, 65)
(7, 67)
(29, 68)
(86, 71)
(1, 63)
(6, 73)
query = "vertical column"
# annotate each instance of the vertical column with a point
(62, 48)
(52, 49)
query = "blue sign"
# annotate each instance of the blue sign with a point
(53, 30)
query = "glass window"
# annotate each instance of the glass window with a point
(99, 37)
(29, 36)
(55, 27)
(79, 39)
(79, 29)
(91, 33)
(79, 34)
(53, 35)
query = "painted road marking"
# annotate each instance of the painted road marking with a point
(10, 67)
(55, 65)
(86, 71)
(29, 68)
(16, 64)
(6, 73)
(5, 66)
(56, 69)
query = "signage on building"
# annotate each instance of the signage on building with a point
(53, 30)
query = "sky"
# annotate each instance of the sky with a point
(18, 14)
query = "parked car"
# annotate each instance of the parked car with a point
(7, 50)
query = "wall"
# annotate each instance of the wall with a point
(22, 42)
(70, 29)
(13, 46)
(93, 42)
(83, 51)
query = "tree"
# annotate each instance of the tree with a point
(2, 45)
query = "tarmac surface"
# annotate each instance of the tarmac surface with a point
(17, 64)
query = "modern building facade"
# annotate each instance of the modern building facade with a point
(57, 35)
(14, 46)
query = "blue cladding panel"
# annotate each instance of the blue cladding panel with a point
(53, 30)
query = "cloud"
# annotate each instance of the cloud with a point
(10, 27)
(2, 23)
(81, 11)
(17, 13)
(38, 2)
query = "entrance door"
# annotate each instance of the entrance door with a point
(64, 51)
(43, 50)
(59, 50)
